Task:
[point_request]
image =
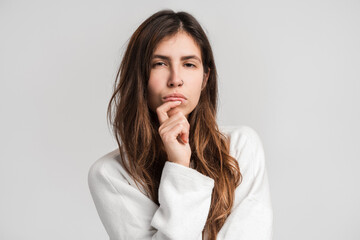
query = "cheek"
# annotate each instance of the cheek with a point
(196, 92)
(197, 95)
(153, 90)
(156, 81)
(151, 96)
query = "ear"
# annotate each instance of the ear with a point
(205, 79)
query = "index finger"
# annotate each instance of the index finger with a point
(164, 108)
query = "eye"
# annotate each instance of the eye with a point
(159, 64)
(190, 65)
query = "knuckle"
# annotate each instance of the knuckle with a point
(179, 114)
(161, 131)
(166, 137)
(185, 122)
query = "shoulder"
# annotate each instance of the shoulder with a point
(106, 169)
(104, 163)
(246, 147)
(252, 201)
(242, 136)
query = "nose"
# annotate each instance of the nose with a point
(175, 79)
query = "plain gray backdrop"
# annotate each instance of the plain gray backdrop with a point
(288, 69)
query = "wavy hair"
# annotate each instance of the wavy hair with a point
(135, 126)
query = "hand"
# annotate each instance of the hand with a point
(174, 132)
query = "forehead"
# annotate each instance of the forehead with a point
(179, 44)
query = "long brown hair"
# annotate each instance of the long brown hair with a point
(135, 126)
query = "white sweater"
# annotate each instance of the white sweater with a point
(184, 197)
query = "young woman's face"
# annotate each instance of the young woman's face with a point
(176, 74)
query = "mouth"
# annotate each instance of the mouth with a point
(174, 97)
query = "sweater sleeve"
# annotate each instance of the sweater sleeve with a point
(251, 217)
(126, 213)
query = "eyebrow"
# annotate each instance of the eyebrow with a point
(182, 58)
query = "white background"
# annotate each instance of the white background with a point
(288, 69)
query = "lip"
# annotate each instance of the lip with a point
(174, 97)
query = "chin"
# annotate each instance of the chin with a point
(176, 110)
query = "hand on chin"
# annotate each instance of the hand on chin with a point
(174, 111)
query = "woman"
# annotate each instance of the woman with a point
(175, 175)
